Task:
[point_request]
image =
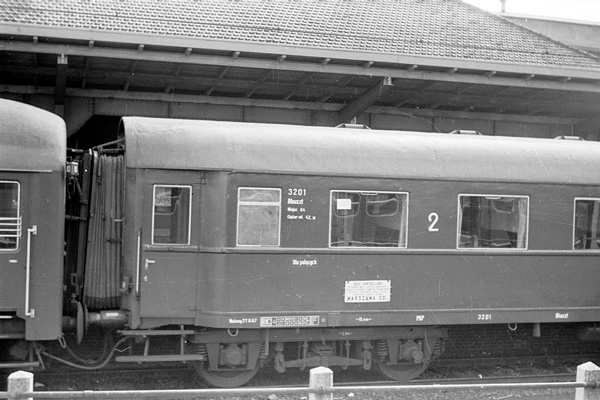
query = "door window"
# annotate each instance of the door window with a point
(259, 215)
(10, 221)
(171, 215)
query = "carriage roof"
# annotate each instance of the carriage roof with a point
(31, 138)
(269, 148)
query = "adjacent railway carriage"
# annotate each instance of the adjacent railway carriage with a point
(32, 198)
(297, 246)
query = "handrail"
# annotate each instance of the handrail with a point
(137, 265)
(30, 231)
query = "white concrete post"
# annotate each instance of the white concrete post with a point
(20, 382)
(588, 373)
(321, 378)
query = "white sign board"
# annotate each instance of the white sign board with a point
(367, 291)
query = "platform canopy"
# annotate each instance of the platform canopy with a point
(413, 57)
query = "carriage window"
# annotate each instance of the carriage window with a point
(10, 221)
(368, 219)
(493, 222)
(259, 215)
(172, 214)
(586, 225)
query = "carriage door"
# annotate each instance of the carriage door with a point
(14, 244)
(169, 251)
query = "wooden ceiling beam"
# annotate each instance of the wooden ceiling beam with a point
(307, 90)
(62, 63)
(503, 76)
(105, 100)
(367, 99)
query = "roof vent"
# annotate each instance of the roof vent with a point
(465, 132)
(352, 126)
(569, 138)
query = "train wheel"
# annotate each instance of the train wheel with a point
(400, 372)
(233, 364)
(407, 370)
(226, 379)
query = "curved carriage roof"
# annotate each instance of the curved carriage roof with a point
(216, 145)
(31, 138)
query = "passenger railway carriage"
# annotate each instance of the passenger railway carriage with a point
(294, 246)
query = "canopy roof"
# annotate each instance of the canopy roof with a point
(443, 57)
(433, 28)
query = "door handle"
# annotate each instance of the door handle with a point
(147, 263)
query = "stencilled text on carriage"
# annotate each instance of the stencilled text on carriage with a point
(379, 291)
(311, 320)
(305, 263)
(242, 321)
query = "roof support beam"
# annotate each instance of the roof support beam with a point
(316, 67)
(87, 101)
(366, 100)
(265, 76)
(62, 63)
(324, 98)
(130, 77)
(206, 86)
(306, 78)
(223, 72)
(346, 81)
(35, 40)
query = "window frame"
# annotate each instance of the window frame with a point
(190, 211)
(459, 215)
(239, 202)
(575, 222)
(19, 219)
(404, 218)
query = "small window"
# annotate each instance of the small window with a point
(171, 214)
(259, 215)
(10, 220)
(586, 228)
(497, 222)
(368, 219)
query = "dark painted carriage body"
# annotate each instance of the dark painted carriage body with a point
(213, 282)
(352, 246)
(32, 168)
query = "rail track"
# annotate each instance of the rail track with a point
(445, 371)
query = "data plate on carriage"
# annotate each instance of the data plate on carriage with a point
(285, 321)
(379, 291)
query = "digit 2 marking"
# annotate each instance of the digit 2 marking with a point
(433, 220)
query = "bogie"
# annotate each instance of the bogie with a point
(397, 358)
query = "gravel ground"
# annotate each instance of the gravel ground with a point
(187, 379)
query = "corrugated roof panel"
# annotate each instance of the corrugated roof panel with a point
(433, 28)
